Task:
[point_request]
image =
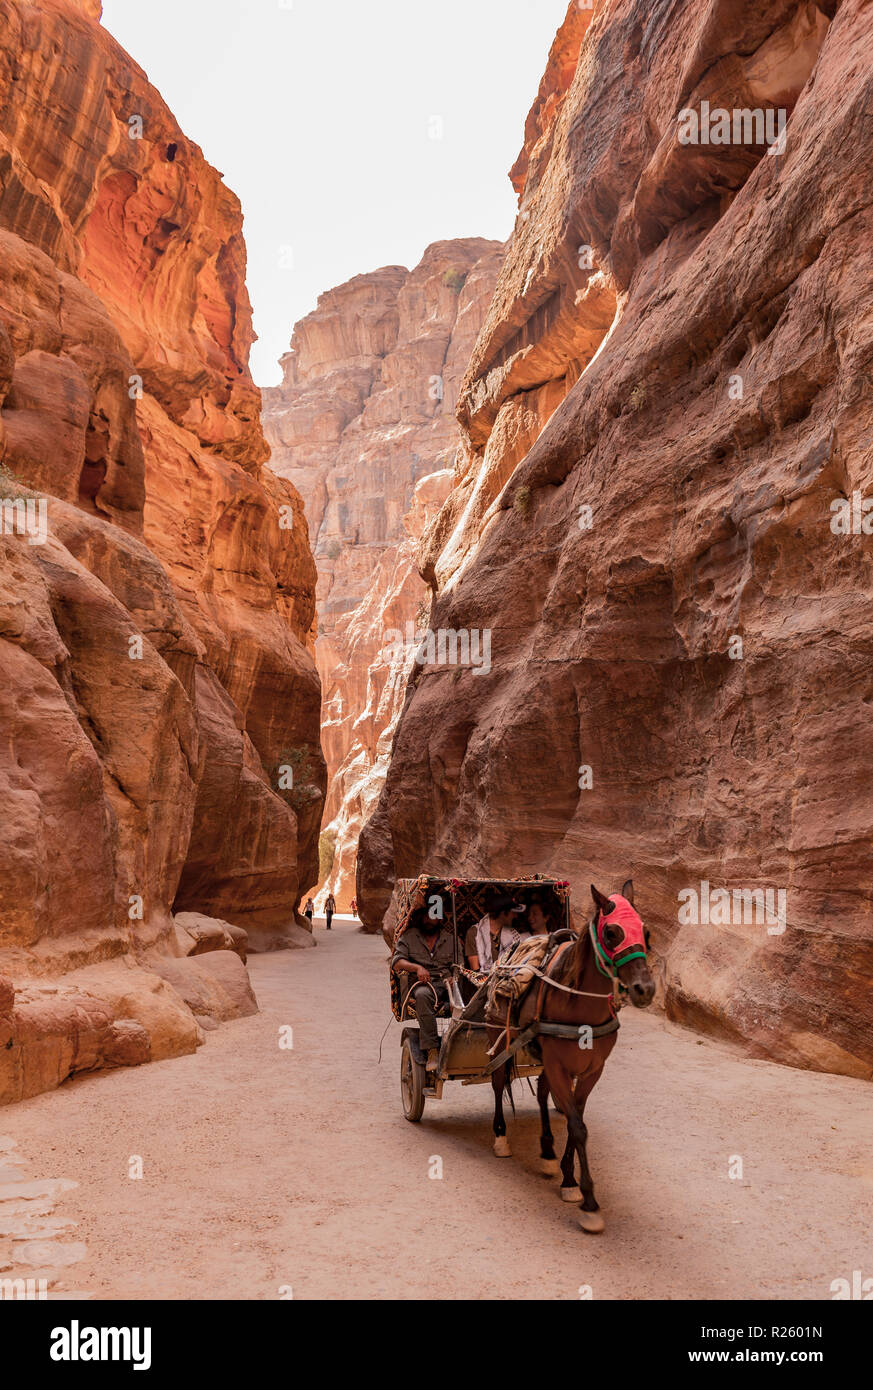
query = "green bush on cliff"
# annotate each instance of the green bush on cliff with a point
(521, 502)
(326, 854)
(455, 280)
(11, 488)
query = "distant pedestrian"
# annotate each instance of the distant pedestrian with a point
(354, 907)
(329, 909)
(308, 910)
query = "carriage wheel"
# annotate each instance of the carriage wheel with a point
(411, 1084)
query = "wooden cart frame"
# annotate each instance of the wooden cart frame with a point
(464, 1045)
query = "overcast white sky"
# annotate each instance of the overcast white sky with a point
(319, 114)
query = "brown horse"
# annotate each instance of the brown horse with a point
(576, 1001)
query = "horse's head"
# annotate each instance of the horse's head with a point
(621, 942)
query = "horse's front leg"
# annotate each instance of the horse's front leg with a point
(590, 1218)
(577, 1142)
(570, 1097)
(560, 1083)
(501, 1143)
(548, 1161)
(569, 1187)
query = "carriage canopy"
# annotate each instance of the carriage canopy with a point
(464, 902)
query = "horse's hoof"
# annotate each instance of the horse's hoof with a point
(549, 1167)
(501, 1147)
(571, 1194)
(592, 1222)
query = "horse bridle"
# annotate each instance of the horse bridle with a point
(613, 963)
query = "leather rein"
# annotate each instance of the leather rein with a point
(611, 972)
(548, 982)
(560, 1030)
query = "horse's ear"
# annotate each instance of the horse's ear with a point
(628, 891)
(600, 901)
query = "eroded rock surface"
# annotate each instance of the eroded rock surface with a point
(157, 588)
(366, 671)
(364, 426)
(680, 341)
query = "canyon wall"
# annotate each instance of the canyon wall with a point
(364, 427)
(660, 520)
(157, 587)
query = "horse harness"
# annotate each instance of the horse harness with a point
(542, 1028)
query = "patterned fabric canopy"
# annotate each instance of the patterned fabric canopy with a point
(464, 904)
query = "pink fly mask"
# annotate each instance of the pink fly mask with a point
(633, 945)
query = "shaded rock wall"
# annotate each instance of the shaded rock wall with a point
(364, 426)
(365, 682)
(680, 341)
(153, 652)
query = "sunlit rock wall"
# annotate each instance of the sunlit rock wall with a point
(667, 413)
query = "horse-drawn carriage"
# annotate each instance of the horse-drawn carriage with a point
(547, 1009)
(464, 1041)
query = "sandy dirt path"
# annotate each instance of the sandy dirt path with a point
(268, 1170)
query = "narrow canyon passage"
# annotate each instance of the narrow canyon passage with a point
(267, 1169)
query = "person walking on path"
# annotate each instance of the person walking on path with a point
(329, 909)
(308, 910)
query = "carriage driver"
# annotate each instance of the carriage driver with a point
(427, 952)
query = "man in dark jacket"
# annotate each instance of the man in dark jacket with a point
(329, 909)
(426, 951)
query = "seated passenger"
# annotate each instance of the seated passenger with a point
(490, 938)
(541, 918)
(426, 951)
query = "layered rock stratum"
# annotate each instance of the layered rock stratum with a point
(660, 520)
(156, 673)
(364, 427)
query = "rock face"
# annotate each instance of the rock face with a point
(156, 582)
(364, 427)
(365, 674)
(667, 413)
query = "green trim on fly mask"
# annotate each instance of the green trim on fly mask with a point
(611, 972)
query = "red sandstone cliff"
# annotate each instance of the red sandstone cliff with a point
(364, 426)
(680, 340)
(153, 648)
(365, 673)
